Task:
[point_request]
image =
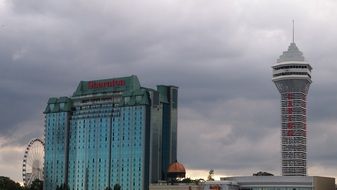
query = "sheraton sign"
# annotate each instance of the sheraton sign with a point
(105, 84)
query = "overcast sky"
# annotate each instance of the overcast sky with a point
(218, 52)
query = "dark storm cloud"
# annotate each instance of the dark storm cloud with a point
(219, 53)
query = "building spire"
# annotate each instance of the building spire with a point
(293, 31)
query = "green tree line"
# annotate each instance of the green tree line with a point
(7, 184)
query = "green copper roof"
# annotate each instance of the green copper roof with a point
(163, 93)
(123, 84)
(62, 104)
(126, 90)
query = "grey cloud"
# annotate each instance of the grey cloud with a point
(236, 141)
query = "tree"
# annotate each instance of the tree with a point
(189, 181)
(36, 185)
(263, 174)
(210, 175)
(7, 184)
(117, 187)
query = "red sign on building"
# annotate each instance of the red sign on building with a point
(105, 84)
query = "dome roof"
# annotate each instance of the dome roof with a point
(176, 169)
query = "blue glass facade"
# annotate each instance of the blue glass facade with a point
(56, 126)
(109, 132)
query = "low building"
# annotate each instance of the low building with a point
(281, 182)
(256, 183)
(220, 185)
(178, 186)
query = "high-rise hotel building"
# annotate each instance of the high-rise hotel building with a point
(292, 77)
(111, 131)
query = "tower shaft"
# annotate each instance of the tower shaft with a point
(293, 133)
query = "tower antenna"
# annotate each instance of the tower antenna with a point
(293, 31)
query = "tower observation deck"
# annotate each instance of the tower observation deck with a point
(292, 77)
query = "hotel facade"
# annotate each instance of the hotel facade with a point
(110, 132)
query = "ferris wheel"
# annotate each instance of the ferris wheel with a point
(33, 159)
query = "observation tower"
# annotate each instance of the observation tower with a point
(292, 77)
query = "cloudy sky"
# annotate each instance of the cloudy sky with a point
(219, 53)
